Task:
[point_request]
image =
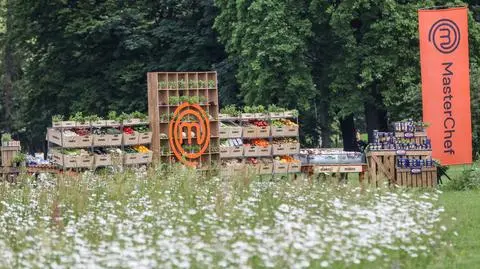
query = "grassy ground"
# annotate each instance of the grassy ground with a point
(162, 220)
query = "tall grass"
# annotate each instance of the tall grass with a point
(169, 218)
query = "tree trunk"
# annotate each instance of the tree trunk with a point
(347, 127)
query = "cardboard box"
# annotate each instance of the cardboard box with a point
(102, 160)
(279, 149)
(264, 151)
(280, 168)
(250, 151)
(145, 138)
(295, 167)
(130, 139)
(236, 151)
(250, 132)
(263, 132)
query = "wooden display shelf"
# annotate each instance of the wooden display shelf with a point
(164, 85)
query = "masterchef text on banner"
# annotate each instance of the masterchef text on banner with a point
(446, 83)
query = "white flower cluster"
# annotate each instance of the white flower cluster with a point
(185, 222)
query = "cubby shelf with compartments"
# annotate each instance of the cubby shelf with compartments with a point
(263, 142)
(89, 145)
(169, 90)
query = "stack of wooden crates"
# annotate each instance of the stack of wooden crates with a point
(403, 157)
(8, 152)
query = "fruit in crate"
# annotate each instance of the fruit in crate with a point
(260, 142)
(288, 159)
(141, 149)
(252, 160)
(259, 123)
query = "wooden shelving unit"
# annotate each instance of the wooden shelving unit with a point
(384, 162)
(162, 86)
(57, 141)
(265, 155)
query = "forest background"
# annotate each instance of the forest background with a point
(345, 65)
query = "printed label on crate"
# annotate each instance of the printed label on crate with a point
(416, 170)
(326, 169)
(401, 152)
(351, 169)
(408, 135)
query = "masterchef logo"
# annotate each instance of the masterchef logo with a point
(445, 35)
(189, 127)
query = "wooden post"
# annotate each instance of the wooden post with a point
(153, 113)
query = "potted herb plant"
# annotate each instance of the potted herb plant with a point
(181, 84)
(275, 111)
(19, 160)
(192, 84)
(211, 84)
(142, 117)
(260, 112)
(202, 84)
(57, 120)
(291, 113)
(163, 85)
(80, 120)
(96, 121)
(249, 112)
(6, 138)
(112, 119)
(173, 100)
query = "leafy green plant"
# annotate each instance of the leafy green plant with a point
(184, 99)
(162, 84)
(194, 100)
(78, 117)
(6, 137)
(469, 179)
(248, 109)
(192, 84)
(231, 110)
(139, 115)
(202, 84)
(57, 118)
(202, 99)
(173, 100)
(19, 157)
(112, 115)
(295, 112)
(172, 85)
(181, 84)
(211, 84)
(124, 116)
(258, 109)
(92, 118)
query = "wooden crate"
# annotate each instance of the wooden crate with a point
(8, 154)
(236, 151)
(131, 158)
(130, 139)
(263, 132)
(235, 132)
(293, 148)
(278, 131)
(224, 132)
(102, 140)
(250, 151)
(264, 151)
(291, 131)
(265, 168)
(145, 138)
(250, 132)
(424, 177)
(77, 141)
(279, 149)
(99, 123)
(280, 168)
(102, 160)
(381, 165)
(116, 139)
(225, 152)
(294, 167)
(144, 158)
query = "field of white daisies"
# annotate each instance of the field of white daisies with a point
(180, 220)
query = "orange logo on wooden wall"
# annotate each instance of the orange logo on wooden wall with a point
(189, 126)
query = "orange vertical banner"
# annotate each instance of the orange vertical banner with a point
(446, 83)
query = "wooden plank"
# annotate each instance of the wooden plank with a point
(153, 113)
